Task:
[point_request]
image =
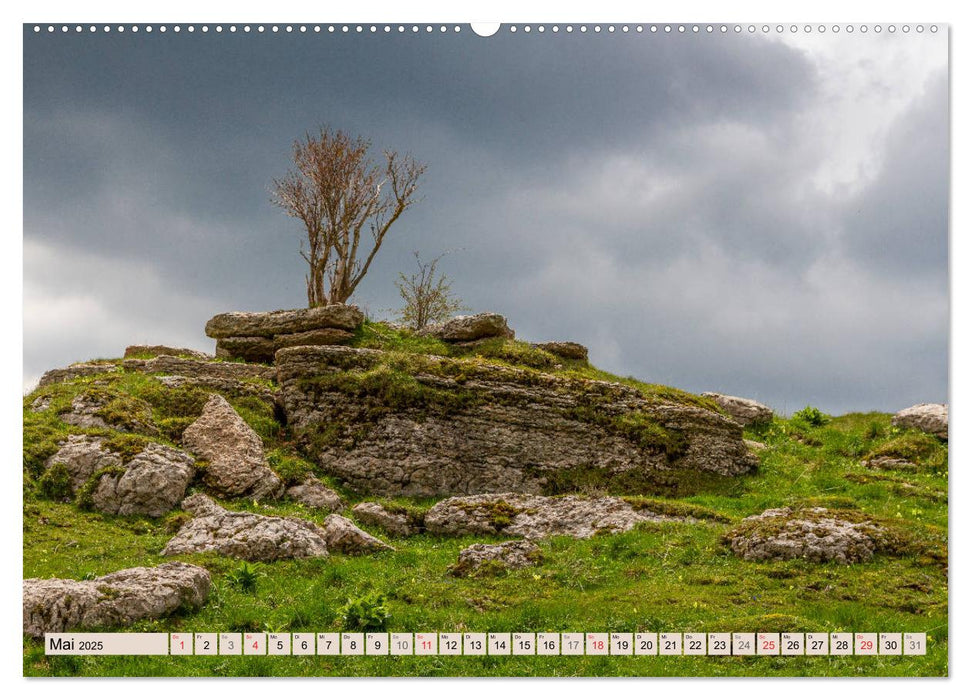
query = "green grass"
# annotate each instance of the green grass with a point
(670, 576)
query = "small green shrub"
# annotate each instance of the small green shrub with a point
(244, 577)
(812, 416)
(369, 613)
(56, 483)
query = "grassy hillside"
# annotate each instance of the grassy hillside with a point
(676, 576)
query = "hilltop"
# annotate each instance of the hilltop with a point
(349, 464)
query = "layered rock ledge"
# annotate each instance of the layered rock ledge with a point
(423, 425)
(255, 337)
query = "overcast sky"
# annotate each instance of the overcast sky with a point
(764, 216)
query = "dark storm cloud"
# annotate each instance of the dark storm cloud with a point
(656, 197)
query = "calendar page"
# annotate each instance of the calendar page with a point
(447, 349)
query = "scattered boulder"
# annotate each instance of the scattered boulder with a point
(814, 534)
(272, 323)
(82, 369)
(82, 456)
(565, 349)
(314, 494)
(755, 445)
(237, 465)
(156, 350)
(887, 463)
(534, 516)
(262, 349)
(152, 484)
(928, 417)
(375, 514)
(464, 329)
(344, 536)
(490, 559)
(744, 411)
(120, 598)
(245, 535)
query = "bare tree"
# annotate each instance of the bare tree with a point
(341, 196)
(427, 295)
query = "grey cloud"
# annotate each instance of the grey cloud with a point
(651, 196)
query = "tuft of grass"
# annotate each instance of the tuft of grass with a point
(291, 468)
(677, 509)
(512, 352)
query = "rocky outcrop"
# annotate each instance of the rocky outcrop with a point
(347, 538)
(312, 493)
(90, 410)
(490, 559)
(245, 535)
(199, 369)
(928, 417)
(82, 456)
(466, 329)
(442, 426)
(814, 534)
(237, 465)
(120, 598)
(153, 483)
(565, 349)
(375, 514)
(259, 349)
(156, 350)
(82, 369)
(272, 323)
(534, 516)
(744, 411)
